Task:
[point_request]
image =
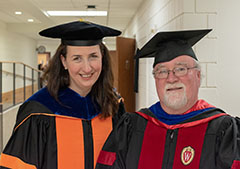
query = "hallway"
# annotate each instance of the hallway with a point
(218, 52)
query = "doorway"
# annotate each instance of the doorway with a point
(123, 68)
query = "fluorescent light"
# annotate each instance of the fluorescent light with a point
(45, 13)
(77, 13)
(30, 20)
(18, 13)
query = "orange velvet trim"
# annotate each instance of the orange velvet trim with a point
(14, 162)
(70, 143)
(101, 128)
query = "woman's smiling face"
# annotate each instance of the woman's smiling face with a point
(84, 65)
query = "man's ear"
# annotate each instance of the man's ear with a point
(199, 74)
(63, 60)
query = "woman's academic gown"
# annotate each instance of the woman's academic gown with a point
(53, 135)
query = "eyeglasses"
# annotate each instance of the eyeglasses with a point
(163, 73)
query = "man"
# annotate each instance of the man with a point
(180, 131)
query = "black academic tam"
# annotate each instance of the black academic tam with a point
(165, 46)
(79, 33)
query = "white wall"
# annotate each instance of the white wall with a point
(217, 52)
(228, 80)
(16, 47)
(9, 120)
(50, 45)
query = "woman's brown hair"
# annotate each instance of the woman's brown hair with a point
(102, 92)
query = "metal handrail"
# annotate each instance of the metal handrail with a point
(15, 75)
(21, 64)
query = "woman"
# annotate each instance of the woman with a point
(65, 124)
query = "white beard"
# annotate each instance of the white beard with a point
(175, 100)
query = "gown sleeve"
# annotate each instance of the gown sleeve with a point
(120, 112)
(28, 147)
(228, 146)
(114, 152)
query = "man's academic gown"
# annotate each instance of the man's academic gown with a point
(53, 135)
(208, 140)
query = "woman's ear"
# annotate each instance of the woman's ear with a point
(63, 60)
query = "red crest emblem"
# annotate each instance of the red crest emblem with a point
(187, 155)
